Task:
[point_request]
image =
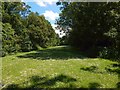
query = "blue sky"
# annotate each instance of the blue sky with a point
(51, 9)
(48, 8)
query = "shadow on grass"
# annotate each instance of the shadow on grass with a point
(94, 85)
(12, 87)
(113, 68)
(92, 69)
(37, 82)
(118, 85)
(59, 78)
(56, 53)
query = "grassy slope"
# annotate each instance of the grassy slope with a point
(57, 67)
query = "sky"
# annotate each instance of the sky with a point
(48, 8)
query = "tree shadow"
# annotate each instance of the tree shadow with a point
(11, 87)
(59, 78)
(63, 53)
(118, 85)
(113, 68)
(94, 85)
(37, 82)
(92, 69)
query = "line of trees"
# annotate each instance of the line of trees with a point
(92, 27)
(23, 30)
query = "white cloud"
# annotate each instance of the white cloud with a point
(50, 1)
(44, 3)
(61, 34)
(50, 15)
(41, 3)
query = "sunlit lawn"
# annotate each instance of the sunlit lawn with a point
(58, 67)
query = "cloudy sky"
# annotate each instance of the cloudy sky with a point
(48, 8)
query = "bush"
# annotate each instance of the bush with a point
(109, 53)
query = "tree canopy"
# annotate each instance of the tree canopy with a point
(93, 27)
(24, 30)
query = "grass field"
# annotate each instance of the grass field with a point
(58, 67)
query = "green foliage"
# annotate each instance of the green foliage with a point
(26, 30)
(25, 43)
(40, 31)
(57, 40)
(91, 26)
(8, 39)
(64, 40)
(110, 53)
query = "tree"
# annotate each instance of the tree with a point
(24, 30)
(14, 13)
(90, 24)
(40, 31)
(8, 39)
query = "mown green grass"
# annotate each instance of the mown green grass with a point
(58, 67)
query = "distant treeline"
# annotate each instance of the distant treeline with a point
(24, 30)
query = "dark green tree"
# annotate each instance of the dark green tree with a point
(90, 25)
